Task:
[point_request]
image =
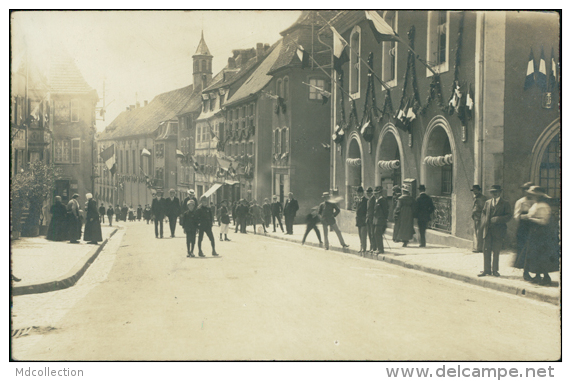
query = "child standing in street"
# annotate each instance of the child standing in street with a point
(205, 219)
(189, 223)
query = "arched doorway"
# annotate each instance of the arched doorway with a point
(388, 163)
(353, 171)
(437, 172)
(546, 161)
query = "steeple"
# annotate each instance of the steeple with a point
(202, 64)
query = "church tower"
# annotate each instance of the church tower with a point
(202, 65)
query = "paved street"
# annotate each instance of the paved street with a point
(142, 299)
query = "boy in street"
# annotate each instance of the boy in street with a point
(205, 220)
(277, 210)
(189, 223)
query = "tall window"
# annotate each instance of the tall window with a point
(279, 88)
(205, 133)
(389, 62)
(126, 161)
(212, 103)
(202, 65)
(355, 63)
(549, 169)
(121, 161)
(438, 40)
(284, 140)
(277, 141)
(221, 132)
(74, 110)
(75, 151)
(286, 88)
(134, 162)
(62, 151)
(313, 93)
(198, 134)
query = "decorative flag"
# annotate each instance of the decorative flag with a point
(552, 73)
(145, 152)
(179, 154)
(303, 56)
(108, 157)
(541, 77)
(469, 103)
(530, 75)
(381, 30)
(410, 115)
(340, 55)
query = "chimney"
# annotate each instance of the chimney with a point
(259, 50)
(231, 63)
(138, 104)
(131, 107)
(266, 47)
(145, 103)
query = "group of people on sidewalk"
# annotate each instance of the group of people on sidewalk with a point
(66, 222)
(537, 235)
(247, 213)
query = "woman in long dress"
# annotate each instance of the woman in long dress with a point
(521, 208)
(57, 228)
(92, 232)
(542, 247)
(404, 218)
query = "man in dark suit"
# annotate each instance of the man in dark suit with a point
(328, 210)
(495, 215)
(370, 215)
(277, 210)
(158, 211)
(290, 209)
(102, 214)
(380, 217)
(479, 201)
(424, 210)
(172, 210)
(361, 219)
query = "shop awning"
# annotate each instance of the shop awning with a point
(212, 189)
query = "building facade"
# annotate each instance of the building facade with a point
(470, 123)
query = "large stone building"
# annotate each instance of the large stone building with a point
(474, 117)
(53, 121)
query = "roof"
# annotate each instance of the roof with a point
(202, 49)
(345, 20)
(194, 103)
(259, 78)
(308, 18)
(145, 120)
(301, 37)
(65, 77)
(232, 75)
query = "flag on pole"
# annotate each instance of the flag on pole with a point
(469, 102)
(541, 76)
(303, 56)
(108, 157)
(530, 75)
(145, 152)
(340, 55)
(381, 30)
(179, 154)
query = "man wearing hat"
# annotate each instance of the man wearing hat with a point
(479, 201)
(290, 209)
(158, 211)
(190, 196)
(361, 219)
(328, 210)
(172, 210)
(381, 215)
(397, 192)
(277, 209)
(73, 221)
(370, 216)
(424, 210)
(495, 215)
(404, 217)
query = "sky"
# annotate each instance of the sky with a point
(140, 54)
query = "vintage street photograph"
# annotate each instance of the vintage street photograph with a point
(292, 185)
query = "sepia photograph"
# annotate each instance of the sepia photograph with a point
(286, 185)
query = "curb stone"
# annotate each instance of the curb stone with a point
(514, 290)
(67, 280)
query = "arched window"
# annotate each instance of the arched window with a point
(277, 141)
(286, 88)
(209, 66)
(549, 169)
(284, 140)
(195, 66)
(389, 62)
(279, 88)
(355, 63)
(203, 65)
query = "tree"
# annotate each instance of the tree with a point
(30, 189)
